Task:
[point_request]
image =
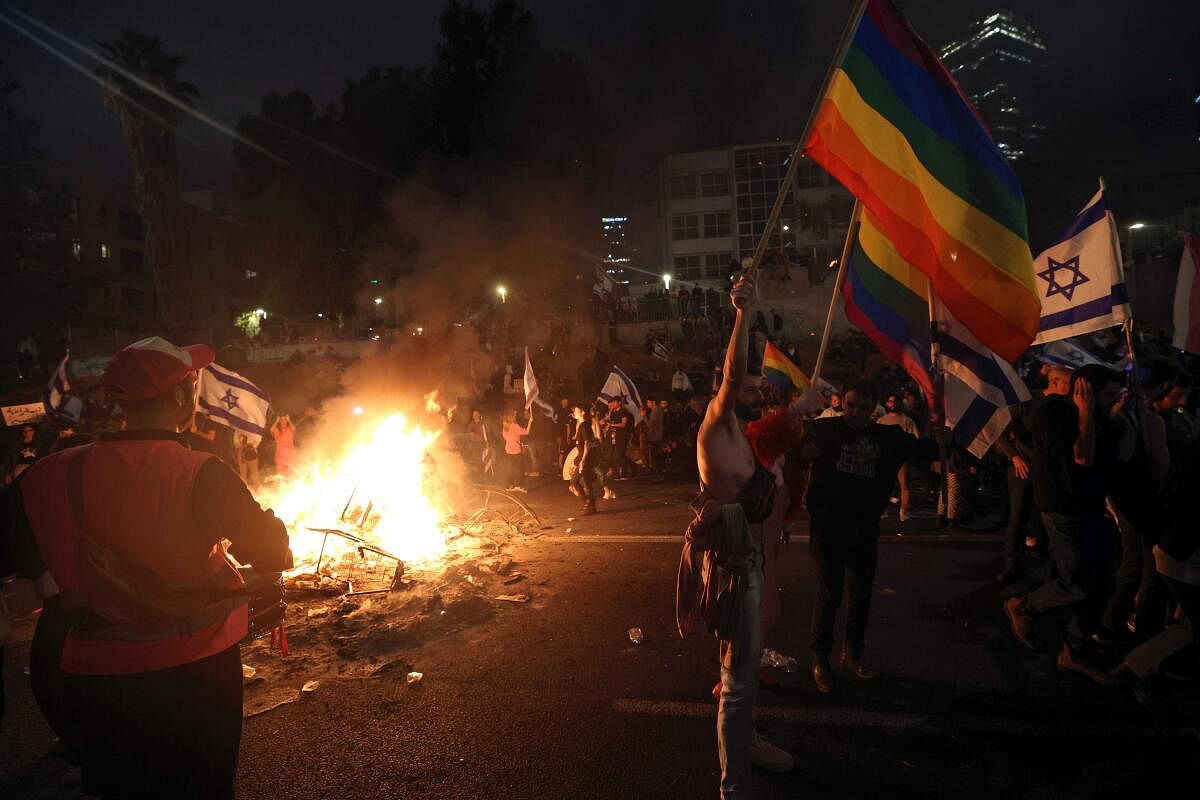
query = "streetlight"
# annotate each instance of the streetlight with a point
(667, 281)
(1137, 226)
(500, 290)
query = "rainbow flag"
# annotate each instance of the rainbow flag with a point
(779, 371)
(896, 130)
(888, 299)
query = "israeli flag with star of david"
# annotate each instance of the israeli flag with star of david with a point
(1080, 279)
(233, 401)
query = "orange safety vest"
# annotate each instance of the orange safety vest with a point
(136, 502)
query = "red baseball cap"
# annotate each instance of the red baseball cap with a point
(152, 367)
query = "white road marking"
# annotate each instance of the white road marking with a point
(899, 721)
(627, 538)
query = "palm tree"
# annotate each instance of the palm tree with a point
(149, 124)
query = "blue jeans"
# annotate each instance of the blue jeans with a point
(741, 656)
(1079, 548)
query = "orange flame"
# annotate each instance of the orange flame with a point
(377, 490)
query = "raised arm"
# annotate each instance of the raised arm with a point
(1085, 440)
(736, 355)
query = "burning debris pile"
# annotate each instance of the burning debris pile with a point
(391, 549)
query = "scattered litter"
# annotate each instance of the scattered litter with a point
(773, 658)
(414, 677)
(310, 686)
(516, 577)
(569, 530)
(570, 519)
(513, 598)
(318, 612)
(269, 700)
(248, 671)
(471, 579)
(636, 636)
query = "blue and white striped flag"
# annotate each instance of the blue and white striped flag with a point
(533, 395)
(233, 401)
(58, 400)
(1066, 353)
(979, 385)
(1080, 277)
(619, 385)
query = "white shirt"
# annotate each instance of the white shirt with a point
(830, 412)
(901, 421)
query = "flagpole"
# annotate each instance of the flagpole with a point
(939, 405)
(1127, 325)
(851, 234)
(797, 152)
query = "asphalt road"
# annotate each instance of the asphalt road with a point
(552, 700)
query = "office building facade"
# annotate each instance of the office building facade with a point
(999, 64)
(715, 205)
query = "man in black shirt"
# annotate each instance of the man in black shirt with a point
(619, 427)
(1017, 446)
(854, 466)
(1071, 461)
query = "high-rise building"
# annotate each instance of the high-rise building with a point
(999, 65)
(618, 249)
(716, 202)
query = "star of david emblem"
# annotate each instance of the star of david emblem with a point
(230, 399)
(1071, 267)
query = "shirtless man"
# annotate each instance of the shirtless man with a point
(731, 475)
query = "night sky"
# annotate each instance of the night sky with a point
(668, 75)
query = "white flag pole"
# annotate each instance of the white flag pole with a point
(1127, 325)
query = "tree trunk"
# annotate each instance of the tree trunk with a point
(156, 183)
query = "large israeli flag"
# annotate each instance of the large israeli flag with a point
(619, 385)
(979, 385)
(1080, 279)
(233, 401)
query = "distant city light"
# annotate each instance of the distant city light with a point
(320, 315)
(786, 228)
(500, 290)
(378, 301)
(375, 281)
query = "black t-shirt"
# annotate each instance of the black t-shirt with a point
(855, 471)
(615, 418)
(1060, 485)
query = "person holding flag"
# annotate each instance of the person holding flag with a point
(722, 567)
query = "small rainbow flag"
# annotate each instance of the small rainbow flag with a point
(779, 371)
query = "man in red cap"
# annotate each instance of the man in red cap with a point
(137, 531)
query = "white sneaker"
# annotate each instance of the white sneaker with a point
(768, 756)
